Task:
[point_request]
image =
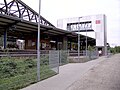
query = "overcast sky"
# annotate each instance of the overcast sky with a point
(53, 10)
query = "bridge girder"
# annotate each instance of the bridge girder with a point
(17, 8)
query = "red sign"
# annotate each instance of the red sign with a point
(97, 22)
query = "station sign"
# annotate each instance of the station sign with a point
(80, 26)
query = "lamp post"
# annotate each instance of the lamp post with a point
(38, 44)
(79, 38)
(78, 46)
(86, 42)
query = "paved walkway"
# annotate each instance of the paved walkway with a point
(105, 76)
(68, 75)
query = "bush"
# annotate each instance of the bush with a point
(44, 60)
(30, 63)
(17, 73)
(115, 50)
(7, 68)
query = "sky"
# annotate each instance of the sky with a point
(53, 10)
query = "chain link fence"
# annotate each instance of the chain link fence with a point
(84, 56)
(19, 69)
(92, 55)
(64, 54)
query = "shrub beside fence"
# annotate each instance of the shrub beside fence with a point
(18, 72)
(18, 69)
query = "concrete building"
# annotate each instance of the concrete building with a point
(94, 23)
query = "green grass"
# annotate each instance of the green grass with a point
(22, 73)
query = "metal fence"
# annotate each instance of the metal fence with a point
(92, 55)
(64, 54)
(19, 69)
(84, 56)
(83, 53)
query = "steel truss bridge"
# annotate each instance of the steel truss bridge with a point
(16, 8)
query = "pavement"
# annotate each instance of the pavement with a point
(99, 74)
(105, 76)
(68, 74)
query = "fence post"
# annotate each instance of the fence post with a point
(68, 56)
(60, 57)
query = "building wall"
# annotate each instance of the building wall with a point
(98, 25)
(30, 43)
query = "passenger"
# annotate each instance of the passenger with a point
(100, 52)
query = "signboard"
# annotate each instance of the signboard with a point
(80, 26)
(97, 22)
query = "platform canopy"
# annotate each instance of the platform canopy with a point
(20, 20)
